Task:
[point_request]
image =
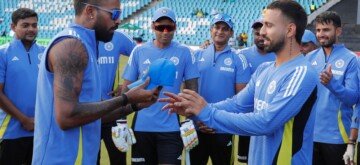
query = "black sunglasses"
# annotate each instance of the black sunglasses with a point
(115, 13)
(163, 28)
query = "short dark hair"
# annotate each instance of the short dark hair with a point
(22, 13)
(79, 5)
(257, 25)
(294, 12)
(328, 17)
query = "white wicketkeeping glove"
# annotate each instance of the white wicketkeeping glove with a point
(189, 135)
(349, 154)
(123, 137)
(131, 137)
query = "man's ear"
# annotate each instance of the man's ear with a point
(338, 31)
(12, 26)
(291, 30)
(90, 12)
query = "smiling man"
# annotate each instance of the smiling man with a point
(223, 73)
(256, 54)
(68, 100)
(157, 133)
(275, 108)
(338, 82)
(19, 62)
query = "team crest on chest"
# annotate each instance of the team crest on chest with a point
(175, 60)
(109, 46)
(228, 61)
(271, 88)
(339, 63)
(147, 62)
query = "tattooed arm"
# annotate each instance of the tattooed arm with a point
(119, 113)
(68, 60)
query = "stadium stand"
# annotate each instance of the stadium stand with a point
(54, 15)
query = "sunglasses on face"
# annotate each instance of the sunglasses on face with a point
(115, 13)
(163, 28)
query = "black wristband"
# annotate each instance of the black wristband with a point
(124, 99)
(134, 107)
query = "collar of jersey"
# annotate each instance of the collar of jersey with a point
(151, 42)
(211, 49)
(19, 44)
(89, 33)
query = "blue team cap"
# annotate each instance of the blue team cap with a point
(161, 73)
(223, 18)
(164, 12)
(308, 36)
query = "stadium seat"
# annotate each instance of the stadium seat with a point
(54, 15)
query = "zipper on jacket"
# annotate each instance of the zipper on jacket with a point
(29, 57)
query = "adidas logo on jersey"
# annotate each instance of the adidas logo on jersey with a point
(15, 59)
(147, 61)
(314, 63)
(202, 59)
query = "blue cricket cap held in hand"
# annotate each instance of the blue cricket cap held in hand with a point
(161, 72)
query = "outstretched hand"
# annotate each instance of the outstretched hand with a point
(171, 100)
(186, 103)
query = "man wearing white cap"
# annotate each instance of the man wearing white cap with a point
(157, 133)
(308, 42)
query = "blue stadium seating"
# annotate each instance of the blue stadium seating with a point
(54, 15)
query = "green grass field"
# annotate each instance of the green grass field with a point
(104, 155)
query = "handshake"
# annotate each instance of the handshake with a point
(122, 136)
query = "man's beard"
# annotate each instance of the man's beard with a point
(260, 46)
(329, 43)
(275, 46)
